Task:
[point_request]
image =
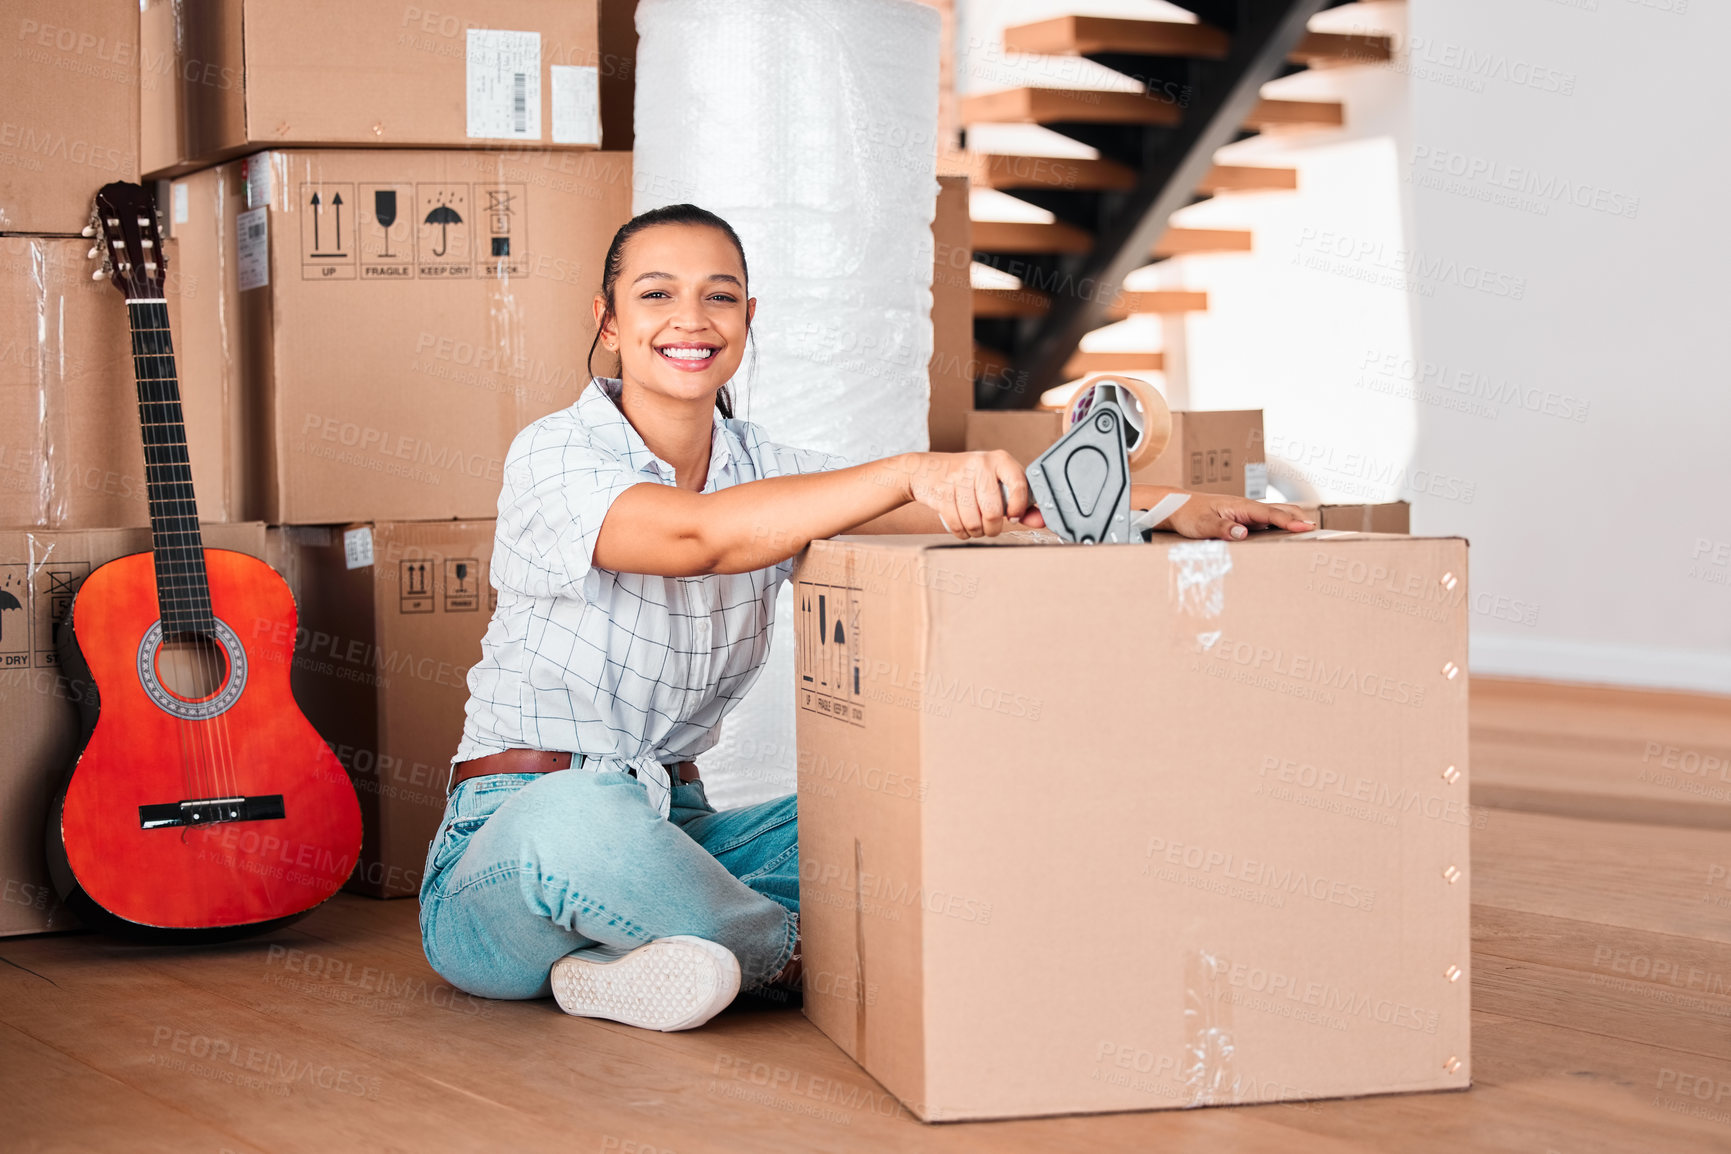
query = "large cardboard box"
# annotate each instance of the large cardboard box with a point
(71, 450)
(952, 364)
(1388, 517)
(391, 619)
(225, 77)
(1210, 452)
(68, 109)
(401, 315)
(40, 570)
(1140, 826)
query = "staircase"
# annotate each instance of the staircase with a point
(1200, 89)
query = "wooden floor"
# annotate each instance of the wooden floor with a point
(1602, 1010)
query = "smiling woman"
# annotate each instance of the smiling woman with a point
(643, 536)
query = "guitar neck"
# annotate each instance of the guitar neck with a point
(182, 587)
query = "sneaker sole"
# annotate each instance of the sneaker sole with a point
(669, 984)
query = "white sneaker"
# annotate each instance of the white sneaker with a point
(669, 984)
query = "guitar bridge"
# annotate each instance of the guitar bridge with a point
(210, 810)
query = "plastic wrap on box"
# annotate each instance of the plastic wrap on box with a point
(810, 126)
(71, 453)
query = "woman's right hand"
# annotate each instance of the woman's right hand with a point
(963, 489)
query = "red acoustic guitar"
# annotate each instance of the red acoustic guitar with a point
(203, 806)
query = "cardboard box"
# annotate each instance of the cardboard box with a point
(68, 109)
(1023, 433)
(40, 570)
(1132, 827)
(391, 619)
(1389, 517)
(226, 77)
(952, 364)
(388, 367)
(1212, 452)
(71, 450)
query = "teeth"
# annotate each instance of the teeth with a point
(688, 354)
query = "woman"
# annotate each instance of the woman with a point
(643, 535)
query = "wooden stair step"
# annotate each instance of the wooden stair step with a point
(1159, 301)
(1004, 170)
(1296, 114)
(1029, 236)
(1007, 302)
(1325, 49)
(1088, 35)
(1182, 241)
(1058, 105)
(1097, 35)
(1104, 106)
(1082, 362)
(1248, 178)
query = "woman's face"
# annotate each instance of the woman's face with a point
(680, 311)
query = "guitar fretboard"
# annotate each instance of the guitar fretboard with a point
(182, 590)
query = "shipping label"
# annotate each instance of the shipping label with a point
(252, 248)
(576, 104)
(503, 72)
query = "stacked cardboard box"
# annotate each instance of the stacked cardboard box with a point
(359, 331)
(69, 109)
(227, 77)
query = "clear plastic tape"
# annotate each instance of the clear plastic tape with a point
(1199, 570)
(1209, 1047)
(48, 287)
(810, 126)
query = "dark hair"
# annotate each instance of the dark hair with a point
(667, 214)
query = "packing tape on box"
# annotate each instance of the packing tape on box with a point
(1199, 570)
(1209, 1047)
(37, 355)
(810, 126)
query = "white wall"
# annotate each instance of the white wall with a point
(1616, 526)
(1535, 367)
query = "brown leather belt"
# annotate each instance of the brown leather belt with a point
(537, 761)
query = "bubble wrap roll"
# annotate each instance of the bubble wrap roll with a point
(810, 126)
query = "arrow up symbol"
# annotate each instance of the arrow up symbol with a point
(318, 213)
(337, 204)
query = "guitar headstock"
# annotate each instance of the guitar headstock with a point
(124, 225)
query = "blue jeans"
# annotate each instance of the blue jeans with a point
(525, 868)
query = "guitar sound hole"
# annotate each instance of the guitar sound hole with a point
(191, 668)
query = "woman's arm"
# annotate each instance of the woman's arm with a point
(672, 532)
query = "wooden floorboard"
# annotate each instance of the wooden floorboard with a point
(1607, 754)
(1601, 975)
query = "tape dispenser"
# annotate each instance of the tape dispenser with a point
(1113, 424)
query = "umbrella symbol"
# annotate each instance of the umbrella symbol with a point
(7, 601)
(444, 216)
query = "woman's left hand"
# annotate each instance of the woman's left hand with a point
(1216, 515)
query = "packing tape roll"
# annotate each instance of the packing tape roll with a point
(1155, 416)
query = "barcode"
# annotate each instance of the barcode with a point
(254, 231)
(520, 102)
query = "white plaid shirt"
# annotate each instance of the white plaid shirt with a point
(625, 669)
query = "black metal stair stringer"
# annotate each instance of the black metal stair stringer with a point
(1262, 38)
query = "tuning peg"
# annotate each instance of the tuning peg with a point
(88, 230)
(95, 251)
(97, 275)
